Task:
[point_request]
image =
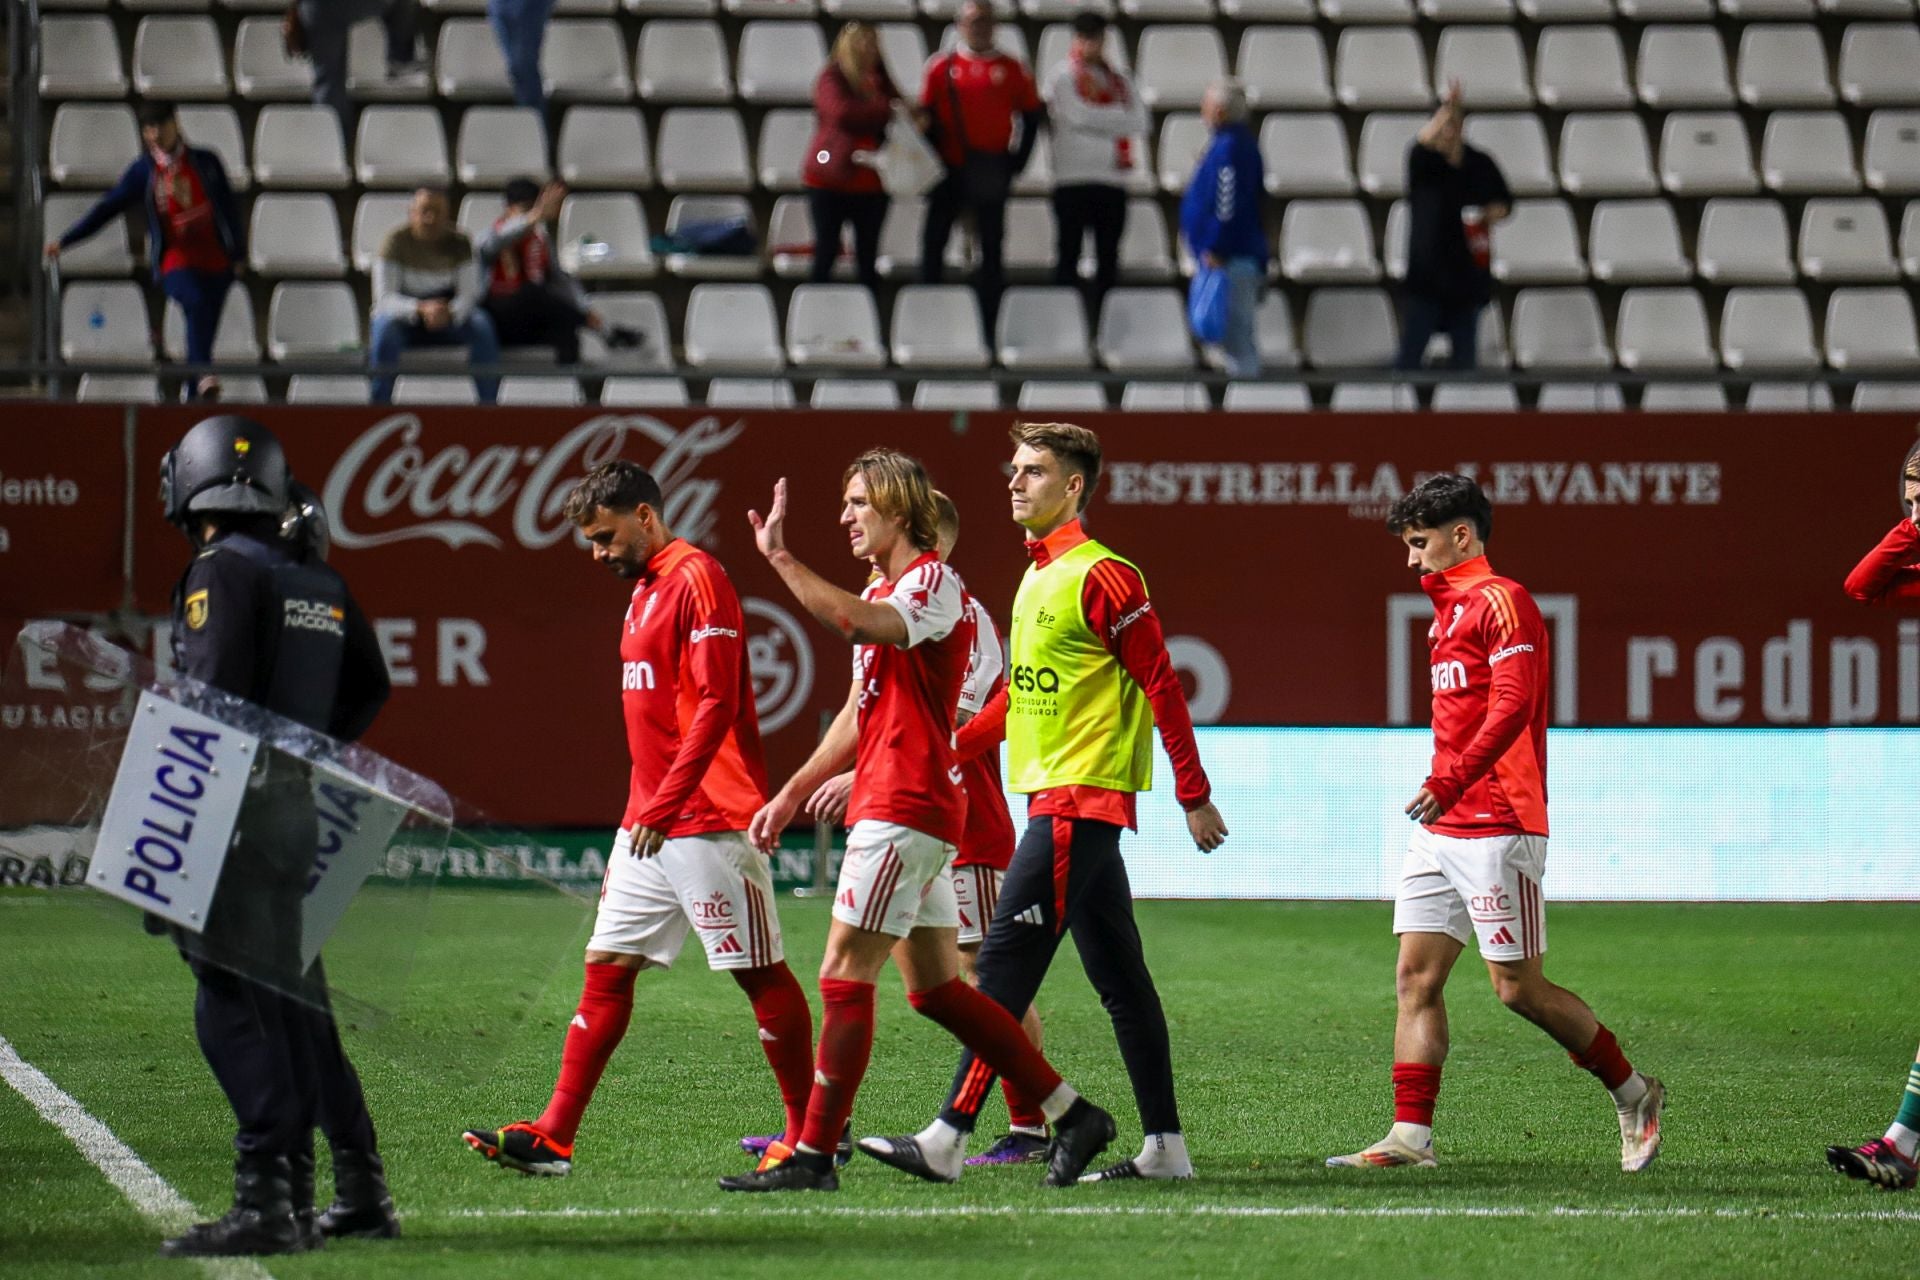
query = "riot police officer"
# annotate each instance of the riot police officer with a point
(259, 615)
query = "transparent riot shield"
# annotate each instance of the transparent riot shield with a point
(253, 843)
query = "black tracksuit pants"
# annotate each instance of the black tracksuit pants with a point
(1067, 875)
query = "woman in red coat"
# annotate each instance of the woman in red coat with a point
(852, 102)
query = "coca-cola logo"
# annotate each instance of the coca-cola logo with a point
(391, 485)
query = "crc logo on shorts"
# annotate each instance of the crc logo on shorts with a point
(1030, 679)
(780, 658)
(1490, 906)
(1448, 676)
(715, 911)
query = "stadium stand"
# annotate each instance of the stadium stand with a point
(1702, 192)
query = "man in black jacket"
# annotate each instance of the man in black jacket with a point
(1455, 195)
(266, 620)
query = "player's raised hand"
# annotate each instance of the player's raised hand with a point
(1207, 827)
(829, 803)
(770, 533)
(644, 842)
(764, 831)
(1425, 807)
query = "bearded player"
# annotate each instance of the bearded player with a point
(680, 858)
(1890, 575)
(1474, 866)
(911, 638)
(1091, 678)
(986, 847)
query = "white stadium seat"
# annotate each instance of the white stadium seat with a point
(784, 134)
(401, 147)
(644, 393)
(1518, 143)
(938, 327)
(585, 61)
(1165, 397)
(314, 321)
(854, 393)
(703, 149)
(1663, 328)
(497, 144)
(1890, 158)
(750, 393)
(1327, 242)
(1304, 155)
(1768, 330)
(1061, 397)
(1683, 66)
(1266, 397)
(779, 62)
(1559, 329)
(468, 63)
(377, 213)
(1042, 327)
(262, 71)
(217, 127)
(682, 61)
(80, 58)
(328, 388)
(117, 388)
(108, 252)
(105, 321)
(534, 390)
(733, 326)
(1285, 69)
(1743, 242)
(1489, 63)
(1808, 153)
(1349, 328)
(1143, 330)
(1846, 239)
(605, 147)
(299, 147)
(1706, 153)
(1683, 397)
(1784, 65)
(955, 394)
(834, 326)
(1605, 153)
(1177, 63)
(1872, 330)
(1538, 244)
(1876, 64)
(1581, 68)
(1380, 68)
(688, 211)
(603, 235)
(296, 235)
(177, 58)
(1789, 396)
(1385, 138)
(1636, 242)
(91, 144)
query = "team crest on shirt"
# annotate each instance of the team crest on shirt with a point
(197, 610)
(1459, 610)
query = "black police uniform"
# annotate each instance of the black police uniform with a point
(256, 619)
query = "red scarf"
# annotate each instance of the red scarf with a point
(186, 215)
(1098, 85)
(526, 261)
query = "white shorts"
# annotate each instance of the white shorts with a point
(1489, 887)
(719, 884)
(976, 889)
(894, 880)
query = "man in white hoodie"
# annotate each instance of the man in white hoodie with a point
(1096, 118)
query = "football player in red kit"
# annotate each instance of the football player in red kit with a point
(911, 638)
(1890, 575)
(986, 845)
(1475, 863)
(681, 859)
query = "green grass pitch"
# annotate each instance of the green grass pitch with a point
(1777, 1029)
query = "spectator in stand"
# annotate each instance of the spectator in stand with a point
(852, 102)
(521, 28)
(1455, 195)
(426, 293)
(974, 95)
(196, 241)
(1220, 218)
(530, 300)
(317, 29)
(1096, 116)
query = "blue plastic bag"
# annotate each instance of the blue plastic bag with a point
(1207, 304)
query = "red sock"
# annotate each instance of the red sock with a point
(1604, 1059)
(1416, 1085)
(606, 1005)
(1022, 1111)
(786, 1034)
(846, 1042)
(994, 1035)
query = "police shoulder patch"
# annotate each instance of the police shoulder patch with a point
(197, 610)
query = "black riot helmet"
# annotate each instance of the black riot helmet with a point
(227, 465)
(304, 528)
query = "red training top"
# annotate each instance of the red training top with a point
(1114, 601)
(1488, 646)
(186, 216)
(990, 90)
(1890, 574)
(904, 770)
(687, 692)
(988, 841)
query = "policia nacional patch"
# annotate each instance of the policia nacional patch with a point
(197, 610)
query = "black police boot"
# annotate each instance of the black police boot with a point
(300, 1164)
(260, 1222)
(362, 1207)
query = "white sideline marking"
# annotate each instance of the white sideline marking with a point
(150, 1194)
(1200, 1211)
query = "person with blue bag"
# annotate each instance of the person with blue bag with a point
(1220, 220)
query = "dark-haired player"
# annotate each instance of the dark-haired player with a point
(1090, 678)
(1474, 865)
(1890, 575)
(681, 859)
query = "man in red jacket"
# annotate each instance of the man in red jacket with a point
(1474, 866)
(1890, 575)
(976, 94)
